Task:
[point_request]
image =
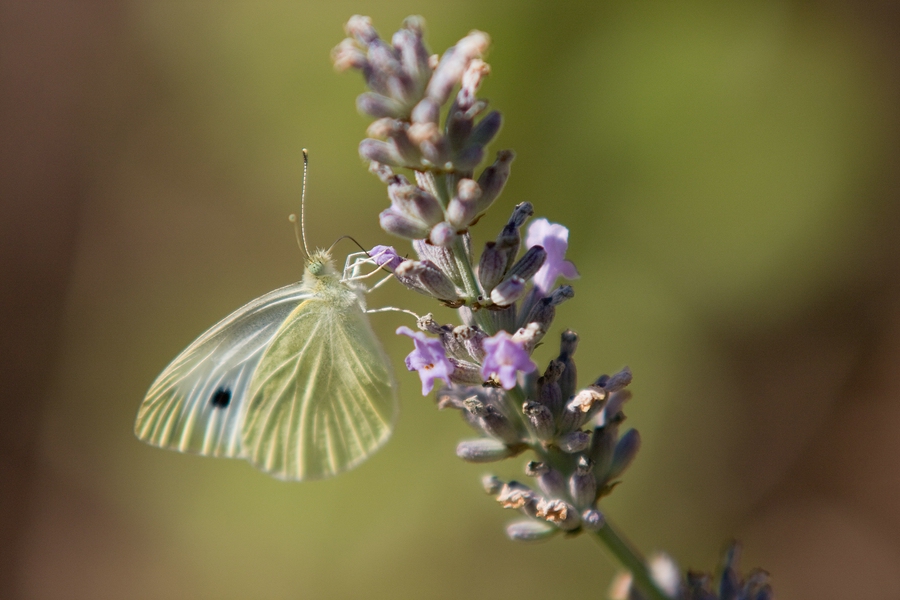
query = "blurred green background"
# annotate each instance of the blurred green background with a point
(728, 172)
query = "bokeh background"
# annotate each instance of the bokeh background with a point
(729, 172)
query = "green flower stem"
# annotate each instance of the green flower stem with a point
(473, 290)
(632, 560)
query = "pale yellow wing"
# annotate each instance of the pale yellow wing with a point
(323, 397)
(198, 402)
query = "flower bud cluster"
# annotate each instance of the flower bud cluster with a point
(408, 89)
(697, 585)
(512, 289)
(576, 435)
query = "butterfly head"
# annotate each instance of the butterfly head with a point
(319, 264)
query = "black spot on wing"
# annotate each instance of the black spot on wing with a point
(221, 398)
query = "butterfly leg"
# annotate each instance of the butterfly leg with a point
(381, 282)
(353, 265)
(392, 309)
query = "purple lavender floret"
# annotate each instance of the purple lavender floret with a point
(385, 256)
(429, 359)
(555, 240)
(504, 358)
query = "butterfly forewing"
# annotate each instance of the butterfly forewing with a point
(198, 402)
(323, 397)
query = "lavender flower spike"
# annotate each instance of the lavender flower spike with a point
(504, 358)
(555, 240)
(429, 359)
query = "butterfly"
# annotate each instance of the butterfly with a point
(294, 382)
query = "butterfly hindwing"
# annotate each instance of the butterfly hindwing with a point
(323, 397)
(198, 402)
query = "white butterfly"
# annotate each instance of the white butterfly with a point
(295, 381)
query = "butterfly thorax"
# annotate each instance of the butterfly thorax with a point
(322, 279)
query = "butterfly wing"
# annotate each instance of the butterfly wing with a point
(323, 397)
(198, 402)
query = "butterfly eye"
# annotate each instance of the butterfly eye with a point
(221, 398)
(316, 268)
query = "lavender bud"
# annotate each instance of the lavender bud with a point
(413, 57)
(528, 336)
(549, 393)
(405, 147)
(428, 324)
(491, 484)
(626, 450)
(508, 291)
(568, 344)
(483, 450)
(492, 421)
(461, 209)
(521, 213)
(459, 126)
(382, 128)
(401, 225)
(582, 485)
(569, 378)
(618, 381)
(730, 585)
(429, 277)
(529, 264)
(465, 373)
(383, 172)
(468, 189)
(348, 55)
(665, 574)
(541, 420)
(471, 81)
(544, 310)
(472, 339)
(584, 405)
(491, 266)
(469, 158)
(622, 587)
(453, 344)
(592, 520)
(415, 202)
(439, 255)
(574, 442)
(529, 530)
(493, 179)
(549, 479)
(516, 496)
(758, 587)
(436, 151)
(426, 111)
(559, 512)
(616, 401)
(450, 70)
(460, 212)
(443, 234)
(535, 468)
(386, 76)
(603, 444)
(361, 28)
(382, 152)
(483, 133)
(378, 106)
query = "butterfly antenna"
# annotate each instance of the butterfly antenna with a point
(293, 219)
(303, 203)
(347, 237)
